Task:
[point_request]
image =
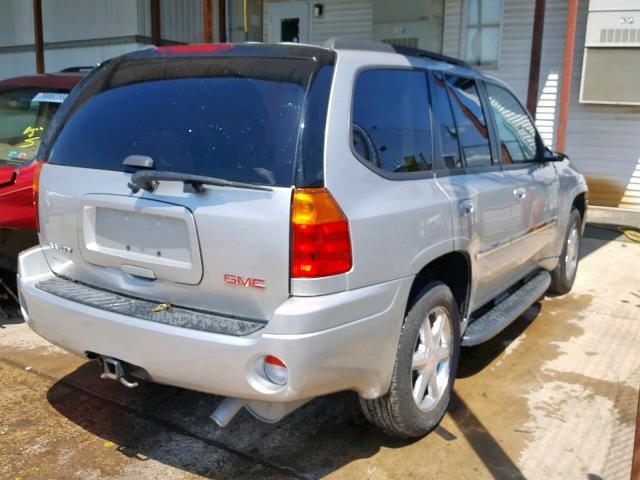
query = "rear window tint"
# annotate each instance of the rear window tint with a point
(235, 127)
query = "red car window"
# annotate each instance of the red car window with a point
(24, 114)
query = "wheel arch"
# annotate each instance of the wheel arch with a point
(580, 202)
(454, 270)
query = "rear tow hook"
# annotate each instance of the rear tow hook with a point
(113, 370)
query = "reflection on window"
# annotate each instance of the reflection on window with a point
(515, 129)
(391, 127)
(472, 125)
(447, 127)
(482, 31)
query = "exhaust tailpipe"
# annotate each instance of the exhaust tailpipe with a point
(226, 411)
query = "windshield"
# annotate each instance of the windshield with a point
(234, 125)
(24, 114)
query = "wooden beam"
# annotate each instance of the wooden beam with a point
(37, 35)
(567, 72)
(155, 22)
(222, 19)
(207, 21)
(536, 56)
(635, 463)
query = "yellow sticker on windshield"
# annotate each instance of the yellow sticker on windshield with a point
(31, 136)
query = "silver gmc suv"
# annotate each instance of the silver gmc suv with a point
(271, 223)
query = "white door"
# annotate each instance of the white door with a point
(289, 22)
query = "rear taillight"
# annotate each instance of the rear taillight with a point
(320, 241)
(37, 166)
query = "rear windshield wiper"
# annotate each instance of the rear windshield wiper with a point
(148, 180)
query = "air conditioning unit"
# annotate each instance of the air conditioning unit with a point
(611, 66)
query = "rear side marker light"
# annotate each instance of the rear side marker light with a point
(275, 370)
(320, 239)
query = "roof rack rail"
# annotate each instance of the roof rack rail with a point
(76, 69)
(348, 43)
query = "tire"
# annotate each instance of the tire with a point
(563, 276)
(397, 412)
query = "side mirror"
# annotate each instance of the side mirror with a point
(551, 156)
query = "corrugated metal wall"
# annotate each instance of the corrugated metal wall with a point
(343, 17)
(86, 32)
(181, 20)
(603, 141)
(340, 17)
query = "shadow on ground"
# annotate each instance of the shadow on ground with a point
(314, 441)
(9, 314)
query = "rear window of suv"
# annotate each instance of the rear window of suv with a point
(236, 122)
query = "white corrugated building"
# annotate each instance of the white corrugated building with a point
(86, 32)
(602, 139)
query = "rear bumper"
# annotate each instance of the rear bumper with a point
(343, 341)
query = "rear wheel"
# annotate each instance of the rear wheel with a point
(425, 366)
(564, 275)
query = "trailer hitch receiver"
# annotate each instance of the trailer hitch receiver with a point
(114, 370)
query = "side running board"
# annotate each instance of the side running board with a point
(505, 312)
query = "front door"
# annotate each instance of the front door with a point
(289, 22)
(534, 182)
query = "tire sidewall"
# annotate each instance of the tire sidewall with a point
(563, 283)
(433, 295)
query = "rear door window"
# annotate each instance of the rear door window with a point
(238, 125)
(470, 119)
(391, 128)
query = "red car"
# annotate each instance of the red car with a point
(27, 105)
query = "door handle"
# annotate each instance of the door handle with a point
(520, 194)
(466, 208)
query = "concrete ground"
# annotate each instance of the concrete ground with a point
(554, 396)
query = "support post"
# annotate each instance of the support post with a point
(536, 56)
(222, 19)
(635, 462)
(567, 72)
(155, 22)
(37, 35)
(207, 21)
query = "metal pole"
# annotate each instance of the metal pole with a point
(207, 21)
(37, 35)
(536, 55)
(635, 463)
(155, 22)
(222, 19)
(567, 71)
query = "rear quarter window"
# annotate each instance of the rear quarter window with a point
(391, 129)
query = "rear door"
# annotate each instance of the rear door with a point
(480, 194)
(535, 182)
(218, 248)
